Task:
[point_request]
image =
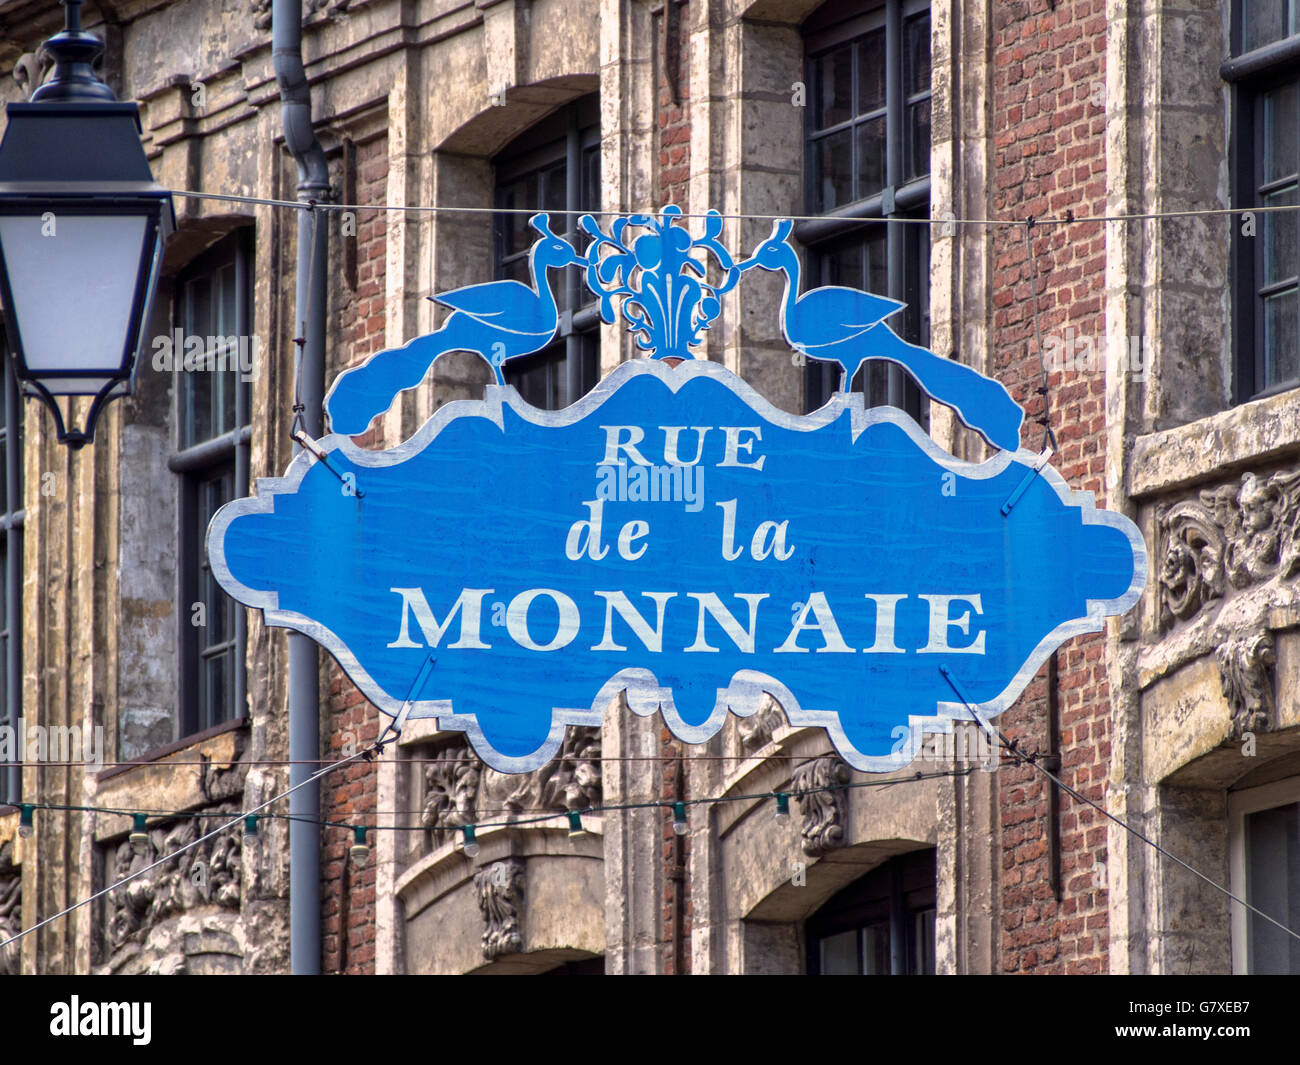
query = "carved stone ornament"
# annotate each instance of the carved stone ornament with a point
(208, 874)
(823, 811)
(11, 909)
(461, 790)
(500, 889)
(1238, 534)
(261, 10)
(1246, 673)
(757, 730)
(31, 70)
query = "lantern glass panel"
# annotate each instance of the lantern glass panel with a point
(73, 280)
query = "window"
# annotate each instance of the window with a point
(1264, 830)
(1265, 149)
(555, 167)
(11, 571)
(868, 156)
(882, 924)
(211, 463)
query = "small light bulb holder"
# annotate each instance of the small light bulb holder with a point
(26, 824)
(782, 807)
(576, 831)
(360, 849)
(679, 819)
(250, 828)
(470, 845)
(139, 834)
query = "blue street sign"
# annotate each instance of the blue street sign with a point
(672, 535)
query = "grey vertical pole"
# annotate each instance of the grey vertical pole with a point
(572, 187)
(894, 118)
(309, 319)
(244, 330)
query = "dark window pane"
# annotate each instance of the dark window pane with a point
(1273, 886)
(916, 54)
(834, 169)
(517, 269)
(590, 198)
(200, 316)
(877, 260)
(843, 266)
(553, 182)
(916, 162)
(522, 196)
(1281, 337)
(1278, 232)
(871, 72)
(1280, 128)
(871, 157)
(540, 378)
(835, 88)
(875, 950)
(923, 935)
(840, 954)
(198, 387)
(1264, 21)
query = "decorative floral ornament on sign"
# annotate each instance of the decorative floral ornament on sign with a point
(672, 537)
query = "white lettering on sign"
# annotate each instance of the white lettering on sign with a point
(651, 639)
(814, 615)
(469, 603)
(626, 443)
(941, 621)
(517, 620)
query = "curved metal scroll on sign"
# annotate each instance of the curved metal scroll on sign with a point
(672, 536)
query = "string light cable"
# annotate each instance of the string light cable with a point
(1012, 747)
(1068, 219)
(359, 850)
(238, 820)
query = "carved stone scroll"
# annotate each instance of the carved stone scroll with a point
(1246, 673)
(500, 889)
(823, 811)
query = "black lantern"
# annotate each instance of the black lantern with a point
(82, 227)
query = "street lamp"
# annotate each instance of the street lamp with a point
(82, 227)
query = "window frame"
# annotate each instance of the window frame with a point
(12, 520)
(194, 465)
(1249, 76)
(566, 135)
(843, 912)
(900, 198)
(1255, 800)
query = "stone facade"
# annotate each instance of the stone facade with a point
(1180, 718)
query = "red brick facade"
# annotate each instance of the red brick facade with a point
(671, 186)
(350, 794)
(1049, 158)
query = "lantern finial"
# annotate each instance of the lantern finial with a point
(74, 53)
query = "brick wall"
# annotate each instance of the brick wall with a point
(1050, 159)
(349, 795)
(673, 68)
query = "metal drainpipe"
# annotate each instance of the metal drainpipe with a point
(309, 317)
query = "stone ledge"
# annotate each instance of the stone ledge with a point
(1248, 435)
